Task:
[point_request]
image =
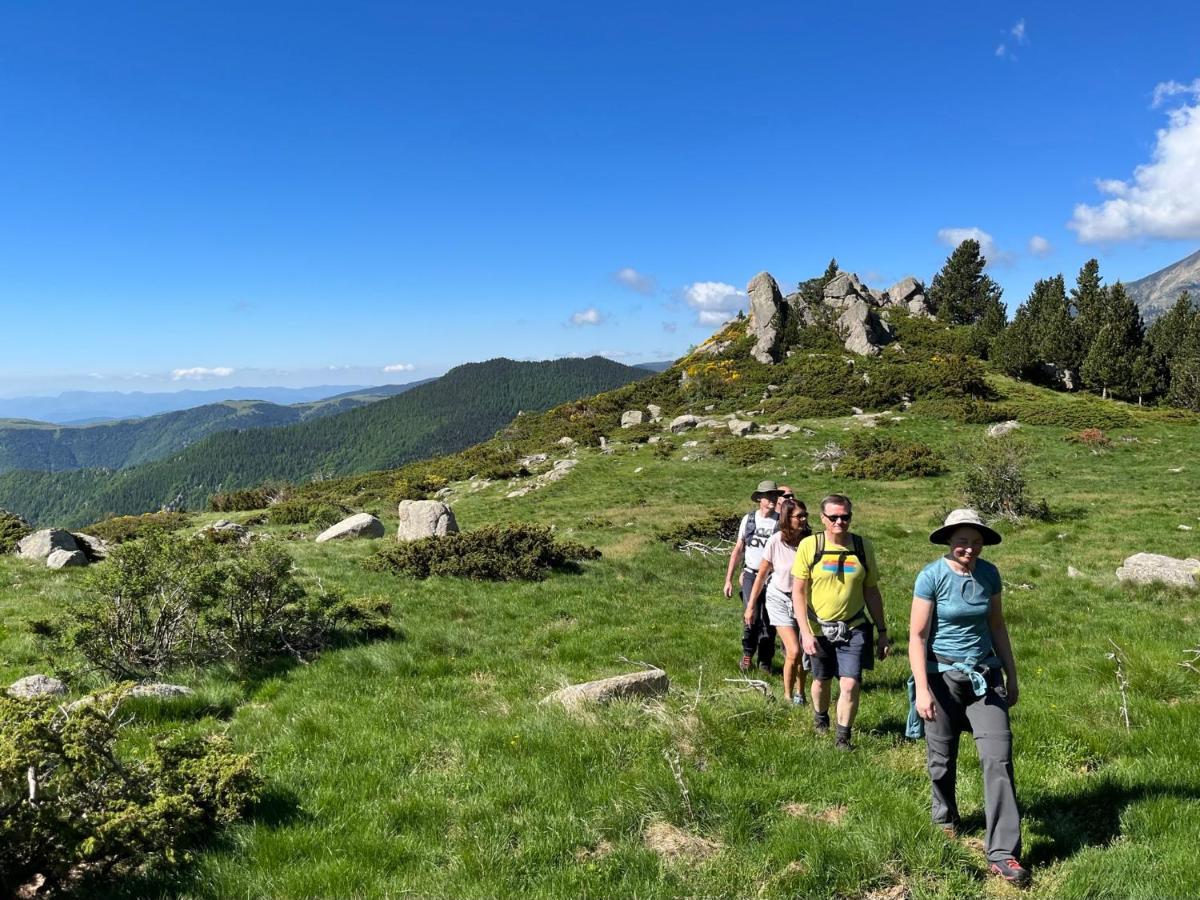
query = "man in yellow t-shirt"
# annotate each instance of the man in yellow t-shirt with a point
(831, 599)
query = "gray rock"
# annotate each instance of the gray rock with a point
(93, 548)
(359, 525)
(766, 315)
(566, 442)
(424, 518)
(861, 328)
(534, 459)
(683, 423)
(160, 691)
(1000, 429)
(904, 290)
(224, 526)
(655, 412)
(631, 417)
(41, 544)
(1073, 572)
(1147, 568)
(61, 559)
(652, 683)
(741, 428)
(653, 439)
(710, 348)
(844, 289)
(36, 686)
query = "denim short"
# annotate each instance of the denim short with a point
(846, 660)
(779, 609)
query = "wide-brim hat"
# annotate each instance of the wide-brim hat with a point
(765, 487)
(964, 517)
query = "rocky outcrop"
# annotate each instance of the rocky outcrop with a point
(226, 530)
(1147, 568)
(157, 690)
(858, 324)
(359, 525)
(651, 683)
(683, 423)
(424, 518)
(61, 559)
(741, 428)
(631, 417)
(1000, 429)
(557, 472)
(39, 545)
(908, 294)
(93, 548)
(767, 312)
(655, 412)
(36, 686)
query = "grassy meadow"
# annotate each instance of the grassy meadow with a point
(424, 765)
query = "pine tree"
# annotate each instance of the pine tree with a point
(1087, 304)
(1119, 342)
(961, 293)
(812, 291)
(1013, 349)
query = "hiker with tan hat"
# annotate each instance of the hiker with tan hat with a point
(758, 636)
(965, 679)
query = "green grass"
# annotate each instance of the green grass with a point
(426, 765)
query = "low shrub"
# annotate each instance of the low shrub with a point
(12, 529)
(164, 603)
(994, 481)
(741, 451)
(1090, 437)
(886, 457)
(119, 529)
(249, 499)
(305, 512)
(708, 527)
(1076, 413)
(514, 552)
(91, 813)
(663, 449)
(964, 410)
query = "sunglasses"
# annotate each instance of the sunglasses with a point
(788, 496)
(841, 518)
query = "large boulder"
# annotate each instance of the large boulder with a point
(424, 518)
(158, 690)
(741, 427)
(631, 417)
(36, 686)
(93, 548)
(655, 412)
(359, 525)
(766, 315)
(683, 423)
(39, 545)
(61, 559)
(844, 289)
(861, 328)
(1147, 568)
(651, 683)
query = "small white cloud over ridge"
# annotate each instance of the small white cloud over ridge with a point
(714, 301)
(1039, 246)
(589, 316)
(1162, 199)
(199, 373)
(399, 367)
(634, 280)
(952, 237)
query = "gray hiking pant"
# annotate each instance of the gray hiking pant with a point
(958, 710)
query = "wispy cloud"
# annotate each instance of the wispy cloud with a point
(670, 327)
(1039, 246)
(397, 367)
(952, 237)
(199, 373)
(634, 280)
(1162, 198)
(589, 316)
(1018, 32)
(1017, 36)
(715, 302)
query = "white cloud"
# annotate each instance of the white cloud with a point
(1162, 199)
(1039, 246)
(635, 280)
(952, 237)
(589, 316)
(1018, 32)
(396, 367)
(714, 301)
(670, 327)
(1001, 50)
(199, 373)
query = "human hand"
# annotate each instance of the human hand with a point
(728, 588)
(809, 642)
(926, 708)
(883, 646)
(748, 616)
(1013, 692)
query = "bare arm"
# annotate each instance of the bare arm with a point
(760, 580)
(733, 561)
(918, 638)
(800, 611)
(874, 601)
(1003, 647)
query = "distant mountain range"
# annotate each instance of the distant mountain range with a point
(26, 444)
(1157, 293)
(85, 407)
(465, 406)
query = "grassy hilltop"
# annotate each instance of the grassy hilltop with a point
(425, 765)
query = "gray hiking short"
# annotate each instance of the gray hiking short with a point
(844, 660)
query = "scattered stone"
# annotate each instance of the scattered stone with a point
(1000, 429)
(710, 407)
(1175, 471)
(41, 544)
(655, 412)
(566, 442)
(1073, 572)
(710, 348)
(676, 845)
(61, 559)
(93, 547)
(359, 525)
(650, 683)
(160, 691)
(1147, 568)
(224, 526)
(766, 305)
(653, 439)
(638, 470)
(683, 423)
(740, 428)
(1184, 527)
(424, 518)
(36, 686)
(689, 444)
(631, 418)
(534, 459)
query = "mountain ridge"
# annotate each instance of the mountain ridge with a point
(1157, 292)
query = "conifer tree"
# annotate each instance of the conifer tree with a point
(1170, 331)
(1087, 305)
(1118, 343)
(961, 293)
(1013, 349)
(812, 291)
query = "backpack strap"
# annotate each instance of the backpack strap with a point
(818, 552)
(860, 550)
(751, 522)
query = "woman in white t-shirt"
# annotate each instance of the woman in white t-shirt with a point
(776, 565)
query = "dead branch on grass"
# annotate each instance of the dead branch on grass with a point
(1117, 656)
(720, 548)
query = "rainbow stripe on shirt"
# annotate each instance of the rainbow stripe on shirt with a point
(850, 567)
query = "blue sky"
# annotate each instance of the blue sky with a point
(196, 194)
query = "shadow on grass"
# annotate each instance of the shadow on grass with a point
(1071, 821)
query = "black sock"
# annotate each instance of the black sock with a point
(821, 718)
(843, 732)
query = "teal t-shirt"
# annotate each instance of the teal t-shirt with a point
(959, 630)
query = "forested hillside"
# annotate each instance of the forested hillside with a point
(465, 406)
(118, 445)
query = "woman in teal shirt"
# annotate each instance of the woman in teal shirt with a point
(966, 680)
